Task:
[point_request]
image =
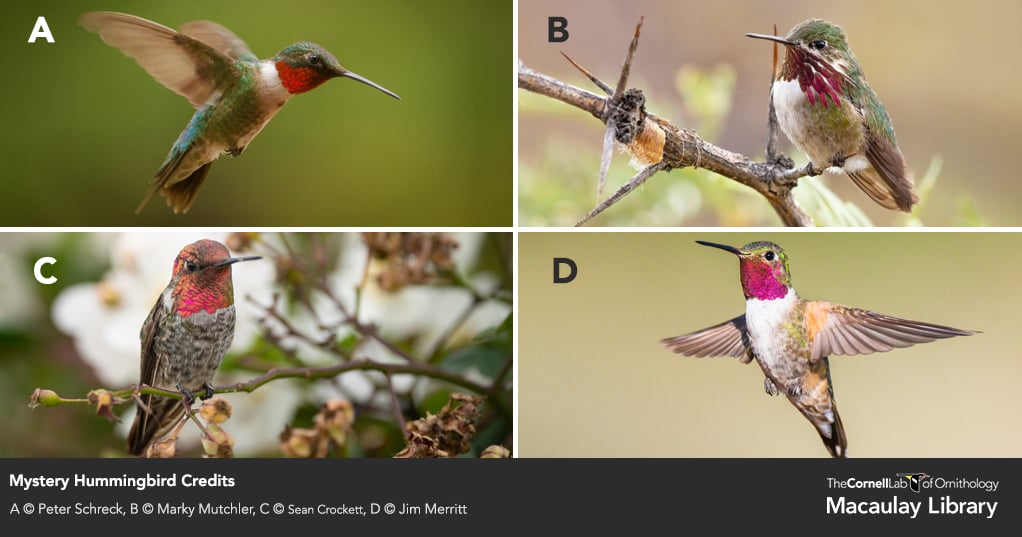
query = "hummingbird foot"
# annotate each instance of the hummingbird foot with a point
(235, 151)
(207, 391)
(769, 387)
(838, 161)
(187, 396)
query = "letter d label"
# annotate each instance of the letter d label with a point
(572, 270)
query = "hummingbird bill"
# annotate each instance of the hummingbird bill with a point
(792, 338)
(827, 109)
(234, 93)
(184, 338)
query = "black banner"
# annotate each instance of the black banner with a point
(482, 495)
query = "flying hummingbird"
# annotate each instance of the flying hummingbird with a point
(185, 337)
(791, 338)
(825, 107)
(235, 94)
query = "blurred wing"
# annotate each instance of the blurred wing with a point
(219, 38)
(184, 64)
(842, 330)
(725, 339)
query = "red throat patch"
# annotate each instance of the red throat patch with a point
(299, 79)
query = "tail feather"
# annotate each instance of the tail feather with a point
(833, 436)
(181, 195)
(166, 413)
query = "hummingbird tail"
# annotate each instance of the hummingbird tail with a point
(180, 194)
(833, 436)
(166, 413)
(896, 196)
(888, 181)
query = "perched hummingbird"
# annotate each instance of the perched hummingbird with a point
(235, 94)
(791, 338)
(185, 337)
(826, 108)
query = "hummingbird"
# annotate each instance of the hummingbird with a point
(827, 109)
(791, 338)
(184, 338)
(234, 93)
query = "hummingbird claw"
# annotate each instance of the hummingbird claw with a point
(839, 160)
(186, 395)
(207, 391)
(769, 386)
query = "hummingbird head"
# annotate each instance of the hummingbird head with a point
(304, 66)
(764, 269)
(817, 55)
(202, 277)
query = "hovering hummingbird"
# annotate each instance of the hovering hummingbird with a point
(235, 94)
(790, 338)
(825, 107)
(185, 337)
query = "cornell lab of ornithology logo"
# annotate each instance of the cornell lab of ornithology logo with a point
(909, 506)
(915, 482)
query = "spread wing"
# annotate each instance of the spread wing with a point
(729, 338)
(219, 38)
(843, 330)
(187, 65)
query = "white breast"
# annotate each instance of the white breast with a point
(764, 320)
(790, 105)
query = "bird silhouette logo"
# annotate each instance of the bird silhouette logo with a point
(914, 480)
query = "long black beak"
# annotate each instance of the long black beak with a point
(778, 39)
(724, 247)
(366, 81)
(233, 260)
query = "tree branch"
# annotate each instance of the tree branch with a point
(42, 397)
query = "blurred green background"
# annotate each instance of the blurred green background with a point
(87, 128)
(594, 380)
(947, 76)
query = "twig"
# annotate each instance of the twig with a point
(631, 185)
(398, 414)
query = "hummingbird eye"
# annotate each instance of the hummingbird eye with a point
(819, 44)
(314, 59)
(769, 256)
(191, 266)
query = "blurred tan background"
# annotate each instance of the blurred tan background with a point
(594, 380)
(948, 75)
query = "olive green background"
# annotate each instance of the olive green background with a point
(594, 380)
(947, 73)
(86, 128)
